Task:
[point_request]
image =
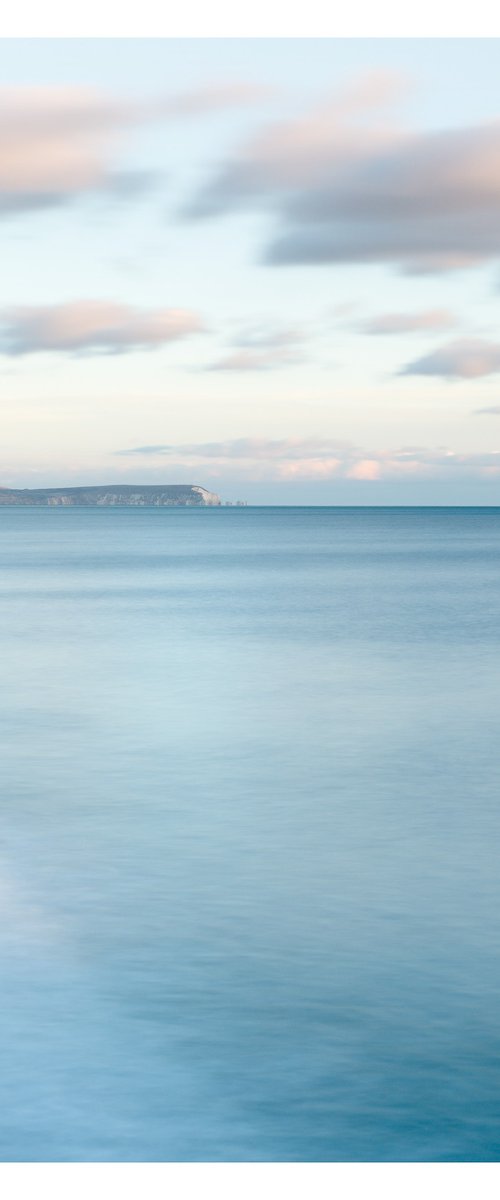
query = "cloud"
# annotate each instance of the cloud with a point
(261, 337)
(251, 448)
(262, 349)
(57, 143)
(492, 411)
(92, 326)
(310, 468)
(320, 459)
(466, 358)
(388, 323)
(254, 360)
(345, 186)
(366, 468)
(215, 97)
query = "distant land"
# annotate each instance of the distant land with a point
(160, 495)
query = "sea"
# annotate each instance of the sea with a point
(249, 834)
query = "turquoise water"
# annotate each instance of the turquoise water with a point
(249, 834)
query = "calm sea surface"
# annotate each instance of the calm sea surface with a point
(250, 834)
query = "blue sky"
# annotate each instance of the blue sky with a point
(269, 267)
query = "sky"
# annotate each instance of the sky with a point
(269, 267)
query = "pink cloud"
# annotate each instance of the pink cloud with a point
(92, 326)
(283, 459)
(410, 322)
(367, 468)
(58, 142)
(310, 468)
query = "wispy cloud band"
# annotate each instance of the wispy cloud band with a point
(320, 459)
(92, 327)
